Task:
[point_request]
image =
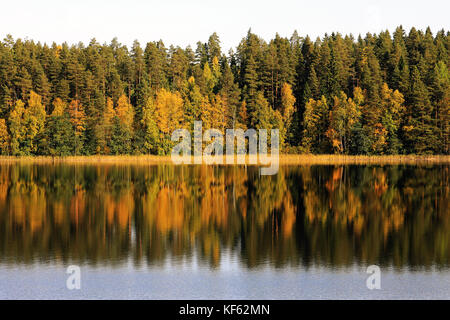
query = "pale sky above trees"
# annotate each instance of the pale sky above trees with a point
(183, 23)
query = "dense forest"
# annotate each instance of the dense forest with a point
(381, 94)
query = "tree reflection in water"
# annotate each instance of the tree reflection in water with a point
(333, 216)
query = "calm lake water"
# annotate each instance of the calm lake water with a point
(209, 232)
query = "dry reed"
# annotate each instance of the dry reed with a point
(283, 159)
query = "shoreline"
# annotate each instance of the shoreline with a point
(285, 159)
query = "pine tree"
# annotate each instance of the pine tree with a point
(75, 74)
(78, 120)
(230, 93)
(261, 113)
(315, 124)
(42, 86)
(213, 48)
(250, 84)
(155, 56)
(178, 68)
(420, 129)
(23, 83)
(441, 101)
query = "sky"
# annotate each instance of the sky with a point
(185, 23)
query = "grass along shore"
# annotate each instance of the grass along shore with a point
(285, 159)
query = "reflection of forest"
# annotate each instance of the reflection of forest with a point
(326, 215)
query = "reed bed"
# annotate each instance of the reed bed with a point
(362, 160)
(285, 159)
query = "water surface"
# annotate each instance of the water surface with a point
(200, 232)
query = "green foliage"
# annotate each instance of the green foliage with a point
(381, 94)
(315, 125)
(121, 138)
(345, 115)
(61, 136)
(151, 132)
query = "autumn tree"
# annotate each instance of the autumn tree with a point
(122, 129)
(168, 115)
(393, 108)
(78, 120)
(151, 137)
(4, 138)
(344, 116)
(315, 124)
(287, 109)
(17, 128)
(34, 123)
(251, 85)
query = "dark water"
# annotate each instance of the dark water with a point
(203, 232)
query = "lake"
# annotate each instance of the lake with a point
(224, 232)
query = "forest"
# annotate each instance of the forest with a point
(373, 95)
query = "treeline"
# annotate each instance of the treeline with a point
(381, 94)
